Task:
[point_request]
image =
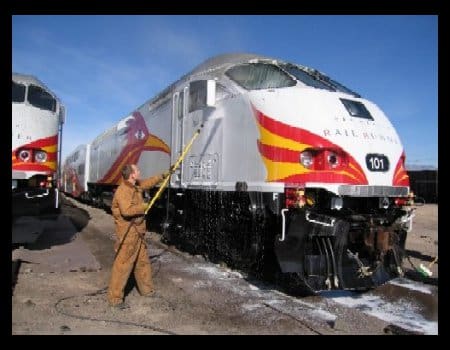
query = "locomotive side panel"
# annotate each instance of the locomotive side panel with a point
(153, 138)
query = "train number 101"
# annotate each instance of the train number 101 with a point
(377, 162)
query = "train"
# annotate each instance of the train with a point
(292, 175)
(37, 120)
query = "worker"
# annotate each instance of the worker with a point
(128, 209)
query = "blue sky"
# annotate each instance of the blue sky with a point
(103, 67)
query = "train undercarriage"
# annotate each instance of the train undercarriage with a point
(306, 250)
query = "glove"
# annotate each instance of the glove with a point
(168, 172)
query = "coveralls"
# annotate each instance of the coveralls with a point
(128, 204)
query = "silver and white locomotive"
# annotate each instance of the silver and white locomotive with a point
(293, 174)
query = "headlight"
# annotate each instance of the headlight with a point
(24, 155)
(306, 159)
(333, 159)
(40, 156)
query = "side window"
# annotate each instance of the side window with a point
(40, 98)
(197, 94)
(202, 93)
(18, 92)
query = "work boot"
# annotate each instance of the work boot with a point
(149, 295)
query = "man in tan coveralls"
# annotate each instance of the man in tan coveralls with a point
(128, 209)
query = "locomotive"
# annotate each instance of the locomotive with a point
(293, 174)
(37, 119)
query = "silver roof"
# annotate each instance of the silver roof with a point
(28, 79)
(216, 65)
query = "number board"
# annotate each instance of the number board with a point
(377, 162)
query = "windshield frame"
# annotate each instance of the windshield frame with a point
(320, 80)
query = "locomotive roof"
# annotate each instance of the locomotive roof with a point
(27, 79)
(31, 79)
(217, 64)
(226, 60)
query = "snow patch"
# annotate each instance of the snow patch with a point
(401, 313)
(406, 283)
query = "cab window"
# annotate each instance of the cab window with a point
(18, 92)
(257, 76)
(40, 98)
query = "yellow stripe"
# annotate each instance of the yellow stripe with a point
(280, 170)
(51, 165)
(399, 171)
(357, 171)
(50, 149)
(403, 177)
(272, 139)
(346, 173)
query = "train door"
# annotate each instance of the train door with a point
(191, 108)
(178, 113)
(201, 165)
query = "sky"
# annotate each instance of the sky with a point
(104, 67)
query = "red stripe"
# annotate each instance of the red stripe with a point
(322, 176)
(33, 167)
(47, 141)
(291, 132)
(401, 177)
(125, 152)
(278, 154)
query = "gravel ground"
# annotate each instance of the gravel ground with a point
(192, 296)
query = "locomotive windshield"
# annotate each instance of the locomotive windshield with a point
(256, 76)
(316, 79)
(18, 92)
(40, 98)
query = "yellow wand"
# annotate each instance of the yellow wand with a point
(173, 168)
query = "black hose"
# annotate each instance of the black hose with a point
(333, 262)
(327, 257)
(98, 292)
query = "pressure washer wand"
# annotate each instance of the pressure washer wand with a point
(173, 168)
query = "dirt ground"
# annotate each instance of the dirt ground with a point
(60, 289)
(422, 241)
